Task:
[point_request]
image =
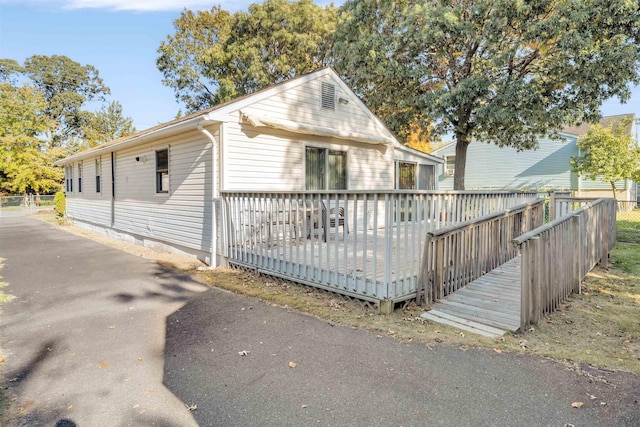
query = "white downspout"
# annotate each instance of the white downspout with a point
(214, 232)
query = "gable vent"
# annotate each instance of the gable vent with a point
(328, 96)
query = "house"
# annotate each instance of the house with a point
(161, 187)
(490, 167)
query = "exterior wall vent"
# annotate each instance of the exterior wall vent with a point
(328, 96)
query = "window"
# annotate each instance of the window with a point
(405, 176)
(426, 177)
(69, 176)
(450, 165)
(80, 177)
(98, 174)
(162, 171)
(328, 96)
(325, 169)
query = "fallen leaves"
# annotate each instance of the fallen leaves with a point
(103, 365)
(497, 350)
(577, 404)
(292, 365)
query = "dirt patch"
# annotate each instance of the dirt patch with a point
(600, 327)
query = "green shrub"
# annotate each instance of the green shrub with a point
(61, 203)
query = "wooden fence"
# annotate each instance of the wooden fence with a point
(557, 256)
(366, 244)
(455, 256)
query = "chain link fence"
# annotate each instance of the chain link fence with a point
(27, 204)
(628, 222)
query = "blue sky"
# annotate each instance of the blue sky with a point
(120, 38)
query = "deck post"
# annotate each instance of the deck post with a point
(604, 260)
(423, 296)
(576, 253)
(386, 306)
(552, 206)
(438, 280)
(536, 271)
(525, 285)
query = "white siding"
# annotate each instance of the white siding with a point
(183, 216)
(302, 104)
(89, 205)
(261, 159)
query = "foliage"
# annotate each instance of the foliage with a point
(43, 119)
(66, 86)
(215, 56)
(60, 202)
(10, 70)
(25, 166)
(500, 71)
(106, 124)
(610, 154)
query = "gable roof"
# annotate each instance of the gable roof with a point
(219, 112)
(606, 121)
(419, 153)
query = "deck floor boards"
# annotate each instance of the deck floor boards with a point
(493, 299)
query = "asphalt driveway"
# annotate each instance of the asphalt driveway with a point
(84, 338)
(86, 345)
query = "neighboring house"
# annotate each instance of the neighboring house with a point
(161, 186)
(548, 168)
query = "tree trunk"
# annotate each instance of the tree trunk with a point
(613, 188)
(462, 143)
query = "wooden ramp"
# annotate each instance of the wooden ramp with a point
(487, 306)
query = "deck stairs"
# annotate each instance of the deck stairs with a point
(488, 306)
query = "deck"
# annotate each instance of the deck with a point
(490, 305)
(362, 263)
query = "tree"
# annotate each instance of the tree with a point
(186, 58)
(10, 70)
(215, 56)
(105, 125)
(500, 71)
(610, 154)
(66, 86)
(25, 165)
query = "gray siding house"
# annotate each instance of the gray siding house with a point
(161, 187)
(548, 168)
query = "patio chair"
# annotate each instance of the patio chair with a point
(332, 218)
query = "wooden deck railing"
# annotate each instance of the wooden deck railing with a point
(370, 248)
(557, 256)
(455, 256)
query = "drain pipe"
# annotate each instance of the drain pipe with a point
(214, 232)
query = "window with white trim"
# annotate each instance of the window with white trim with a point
(69, 178)
(162, 171)
(325, 169)
(80, 177)
(450, 165)
(405, 175)
(98, 174)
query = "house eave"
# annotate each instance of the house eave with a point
(136, 140)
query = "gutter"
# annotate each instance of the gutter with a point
(214, 232)
(135, 140)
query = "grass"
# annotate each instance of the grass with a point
(628, 226)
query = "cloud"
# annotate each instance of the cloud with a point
(133, 5)
(151, 5)
(147, 5)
